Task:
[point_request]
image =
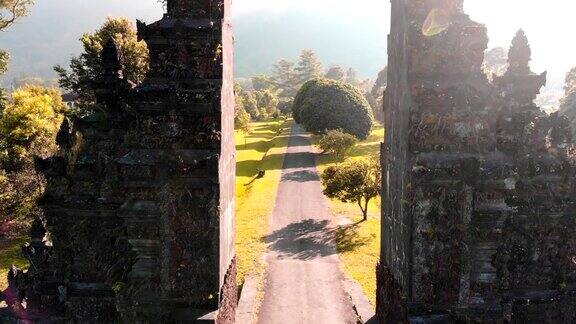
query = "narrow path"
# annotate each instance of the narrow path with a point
(304, 282)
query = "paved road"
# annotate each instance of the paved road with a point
(304, 281)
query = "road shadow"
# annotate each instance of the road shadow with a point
(300, 176)
(305, 240)
(297, 160)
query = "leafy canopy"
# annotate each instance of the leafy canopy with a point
(284, 78)
(337, 142)
(88, 66)
(336, 72)
(323, 105)
(309, 67)
(241, 116)
(30, 121)
(12, 10)
(4, 57)
(288, 77)
(356, 181)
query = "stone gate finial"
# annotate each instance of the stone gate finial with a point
(519, 55)
(112, 58)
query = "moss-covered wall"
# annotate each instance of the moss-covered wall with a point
(479, 187)
(139, 207)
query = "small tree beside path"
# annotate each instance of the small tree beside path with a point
(355, 180)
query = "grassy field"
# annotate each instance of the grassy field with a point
(359, 243)
(263, 150)
(10, 255)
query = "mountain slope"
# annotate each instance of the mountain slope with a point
(50, 36)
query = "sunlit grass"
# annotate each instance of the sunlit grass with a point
(359, 248)
(256, 197)
(359, 244)
(10, 254)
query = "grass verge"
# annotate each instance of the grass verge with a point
(358, 243)
(10, 254)
(263, 150)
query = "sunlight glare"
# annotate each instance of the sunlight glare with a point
(437, 21)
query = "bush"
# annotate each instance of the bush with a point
(29, 122)
(285, 107)
(19, 191)
(323, 104)
(337, 142)
(355, 181)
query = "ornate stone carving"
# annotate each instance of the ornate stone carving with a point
(479, 189)
(139, 206)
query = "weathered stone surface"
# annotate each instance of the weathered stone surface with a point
(479, 183)
(139, 209)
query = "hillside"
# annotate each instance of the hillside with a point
(49, 36)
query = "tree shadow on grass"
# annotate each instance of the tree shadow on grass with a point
(306, 240)
(348, 239)
(261, 146)
(248, 168)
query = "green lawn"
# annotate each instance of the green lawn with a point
(10, 254)
(263, 150)
(359, 243)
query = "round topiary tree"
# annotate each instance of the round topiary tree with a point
(323, 104)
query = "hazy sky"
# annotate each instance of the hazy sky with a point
(546, 23)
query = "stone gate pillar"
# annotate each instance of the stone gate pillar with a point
(139, 207)
(189, 93)
(479, 186)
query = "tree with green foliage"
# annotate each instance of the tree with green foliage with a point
(241, 118)
(88, 66)
(28, 127)
(250, 104)
(20, 82)
(26, 123)
(267, 103)
(12, 10)
(19, 192)
(309, 67)
(354, 181)
(29, 123)
(4, 58)
(337, 142)
(352, 77)
(284, 78)
(262, 82)
(323, 105)
(336, 72)
(285, 106)
(3, 68)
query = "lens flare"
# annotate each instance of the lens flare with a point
(437, 21)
